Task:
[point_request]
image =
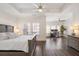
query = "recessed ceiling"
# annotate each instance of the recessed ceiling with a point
(25, 9)
(30, 7)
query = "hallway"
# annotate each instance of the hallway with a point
(55, 47)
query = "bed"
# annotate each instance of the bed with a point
(20, 46)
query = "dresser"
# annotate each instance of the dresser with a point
(73, 42)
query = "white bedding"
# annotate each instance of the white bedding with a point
(28, 37)
(19, 43)
(14, 44)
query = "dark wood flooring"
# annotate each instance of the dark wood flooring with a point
(52, 47)
(55, 47)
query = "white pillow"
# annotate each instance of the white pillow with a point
(3, 36)
(12, 35)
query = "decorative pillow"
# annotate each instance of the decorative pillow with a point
(3, 36)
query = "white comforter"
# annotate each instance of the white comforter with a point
(19, 43)
(14, 44)
(28, 37)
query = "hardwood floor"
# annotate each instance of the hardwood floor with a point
(55, 47)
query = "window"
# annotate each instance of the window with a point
(28, 28)
(36, 27)
(47, 29)
(53, 27)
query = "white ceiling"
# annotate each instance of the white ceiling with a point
(19, 9)
(30, 7)
(25, 9)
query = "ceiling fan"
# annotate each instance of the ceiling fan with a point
(39, 7)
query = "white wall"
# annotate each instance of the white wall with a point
(6, 19)
(32, 19)
(52, 17)
(71, 15)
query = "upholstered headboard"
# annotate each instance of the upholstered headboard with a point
(6, 28)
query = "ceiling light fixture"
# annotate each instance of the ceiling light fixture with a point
(40, 9)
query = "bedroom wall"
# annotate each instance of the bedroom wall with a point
(6, 19)
(71, 15)
(32, 19)
(52, 18)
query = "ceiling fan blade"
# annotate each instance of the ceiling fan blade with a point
(39, 7)
(36, 5)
